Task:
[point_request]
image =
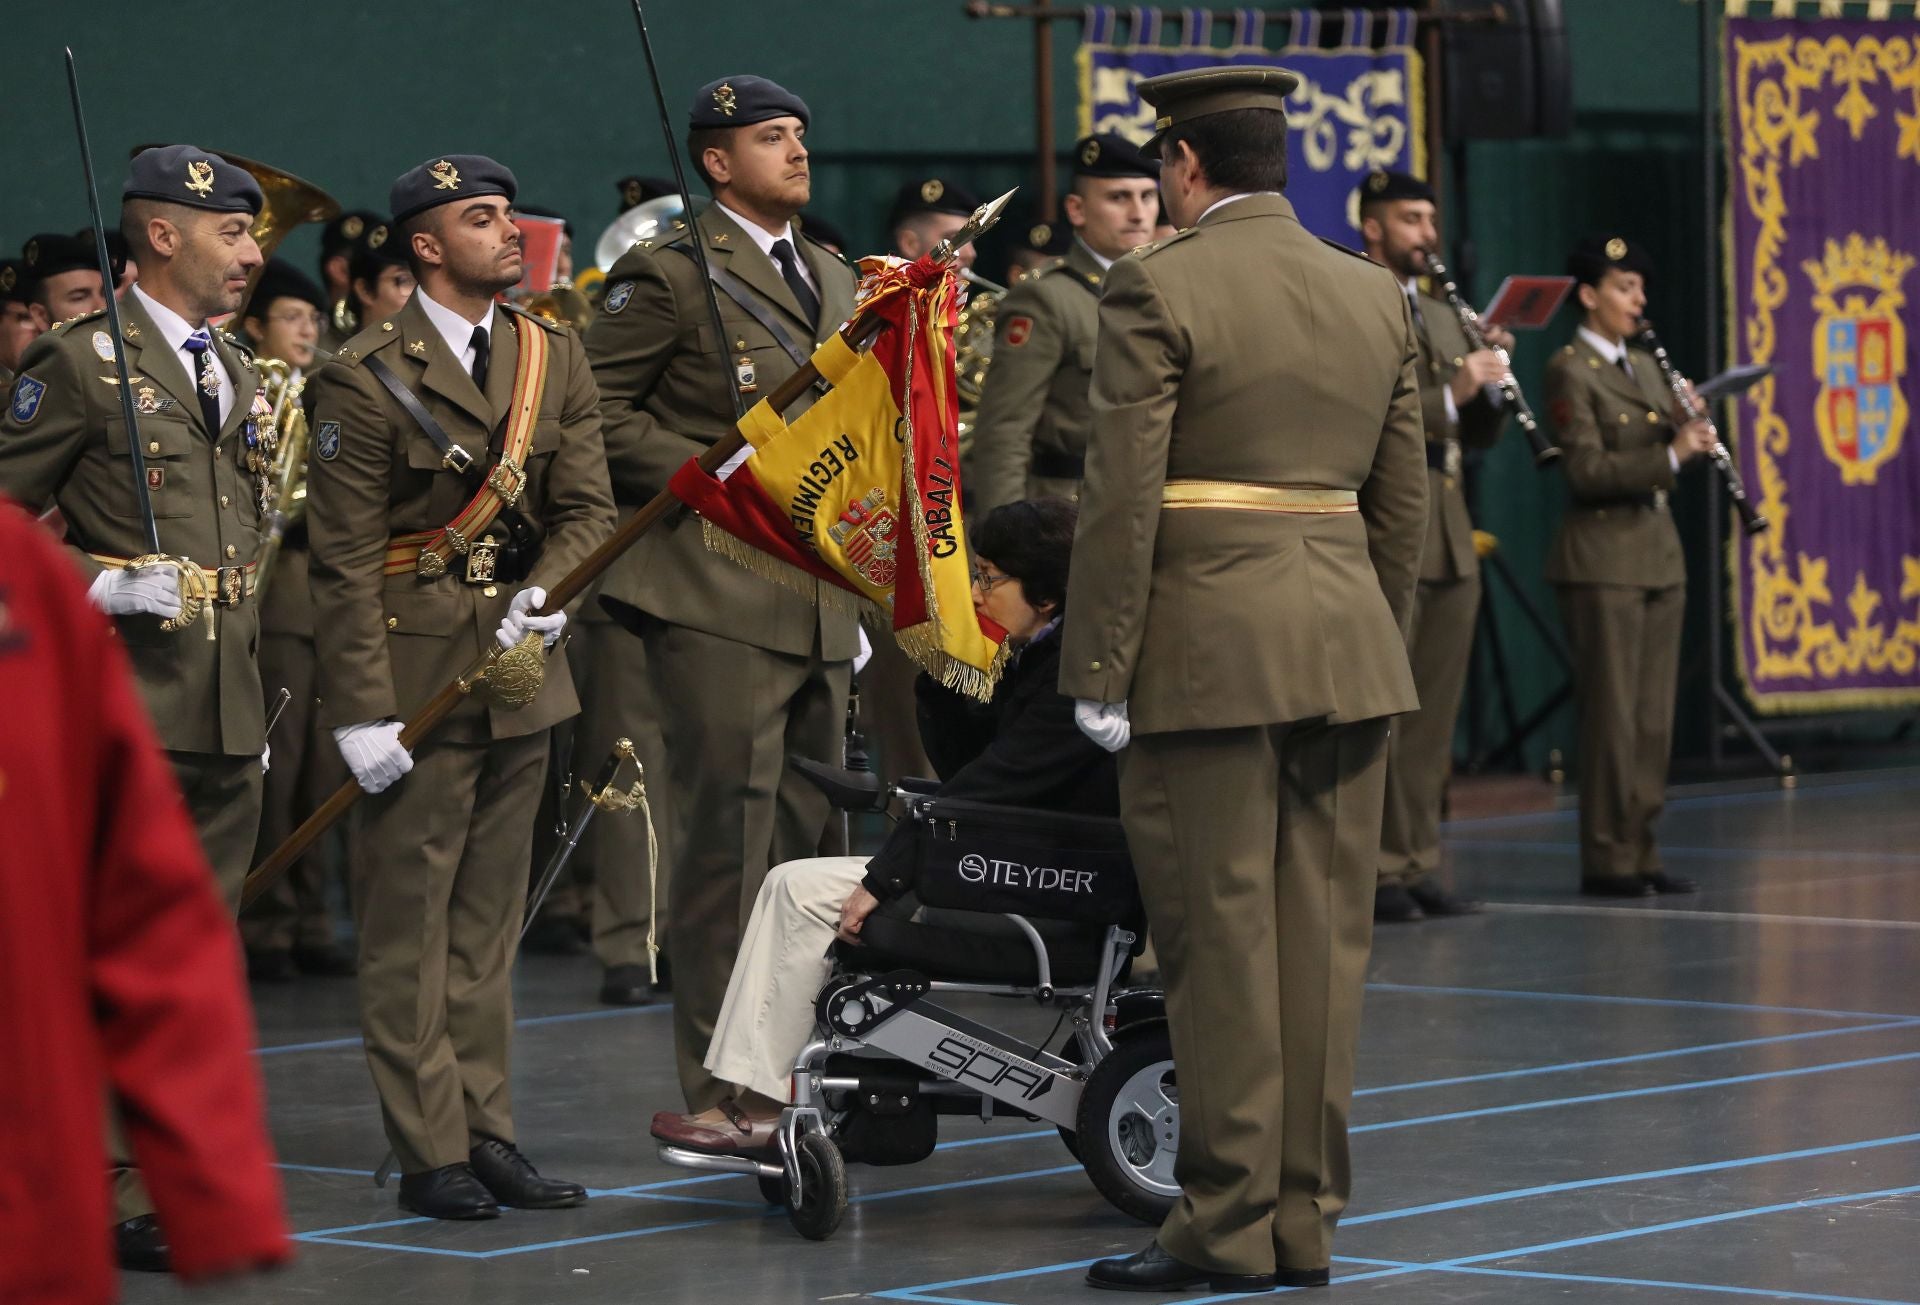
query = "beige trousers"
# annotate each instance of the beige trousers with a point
(767, 1016)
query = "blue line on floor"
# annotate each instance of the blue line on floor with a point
(1766, 1293)
(362, 1227)
(1438, 990)
(1634, 1058)
(326, 1169)
(1661, 1089)
(330, 1044)
(1645, 1175)
(1692, 853)
(962, 1183)
(312, 1239)
(997, 1137)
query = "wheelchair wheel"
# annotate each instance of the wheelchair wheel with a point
(823, 1189)
(1129, 1125)
(773, 1190)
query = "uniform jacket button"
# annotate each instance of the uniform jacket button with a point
(225, 501)
(393, 622)
(1093, 666)
(491, 591)
(231, 550)
(153, 446)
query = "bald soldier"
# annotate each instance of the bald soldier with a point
(746, 673)
(208, 449)
(1461, 409)
(457, 474)
(1031, 434)
(1617, 567)
(1244, 573)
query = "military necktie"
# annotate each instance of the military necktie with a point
(802, 292)
(479, 345)
(1625, 366)
(206, 381)
(1419, 319)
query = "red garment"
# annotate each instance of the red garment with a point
(118, 965)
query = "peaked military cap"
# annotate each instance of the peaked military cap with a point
(280, 279)
(742, 101)
(343, 233)
(446, 180)
(931, 195)
(1201, 92)
(1383, 187)
(1109, 154)
(50, 253)
(1595, 256)
(635, 191)
(187, 174)
(16, 281)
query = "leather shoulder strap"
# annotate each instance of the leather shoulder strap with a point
(733, 288)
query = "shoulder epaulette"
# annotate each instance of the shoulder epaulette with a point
(58, 327)
(1153, 247)
(372, 338)
(1349, 249)
(553, 327)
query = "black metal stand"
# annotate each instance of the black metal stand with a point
(1489, 643)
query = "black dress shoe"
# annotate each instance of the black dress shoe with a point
(1435, 900)
(1155, 1270)
(1661, 882)
(449, 1192)
(271, 965)
(1616, 887)
(1302, 1277)
(515, 1183)
(327, 961)
(554, 935)
(1393, 904)
(140, 1245)
(626, 985)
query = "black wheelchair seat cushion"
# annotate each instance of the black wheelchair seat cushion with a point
(972, 947)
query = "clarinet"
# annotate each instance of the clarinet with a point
(1750, 519)
(1545, 451)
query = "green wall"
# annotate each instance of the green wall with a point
(350, 93)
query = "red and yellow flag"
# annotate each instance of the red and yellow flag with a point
(863, 489)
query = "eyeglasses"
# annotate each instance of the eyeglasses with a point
(987, 581)
(295, 316)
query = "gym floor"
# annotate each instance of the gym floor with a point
(1561, 1099)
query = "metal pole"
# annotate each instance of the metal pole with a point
(1043, 145)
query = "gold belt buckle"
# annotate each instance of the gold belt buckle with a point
(230, 586)
(480, 561)
(1660, 500)
(508, 480)
(431, 565)
(1451, 459)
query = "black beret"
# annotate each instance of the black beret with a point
(742, 101)
(1381, 187)
(447, 179)
(117, 250)
(279, 279)
(50, 253)
(1109, 154)
(343, 233)
(533, 210)
(16, 281)
(377, 247)
(931, 195)
(638, 190)
(825, 232)
(1595, 256)
(186, 174)
(1050, 238)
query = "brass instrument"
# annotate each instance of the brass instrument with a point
(283, 391)
(1750, 519)
(563, 305)
(973, 349)
(1544, 449)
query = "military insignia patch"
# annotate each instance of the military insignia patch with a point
(147, 401)
(200, 178)
(1616, 249)
(103, 346)
(931, 191)
(27, 394)
(618, 296)
(1018, 329)
(445, 176)
(156, 477)
(352, 227)
(1090, 153)
(326, 441)
(377, 237)
(723, 99)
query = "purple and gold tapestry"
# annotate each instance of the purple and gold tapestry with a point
(1823, 152)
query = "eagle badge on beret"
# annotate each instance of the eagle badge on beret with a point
(1616, 249)
(445, 176)
(199, 177)
(931, 191)
(1090, 154)
(1377, 182)
(724, 99)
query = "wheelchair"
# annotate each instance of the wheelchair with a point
(1007, 902)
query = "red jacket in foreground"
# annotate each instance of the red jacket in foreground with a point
(118, 966)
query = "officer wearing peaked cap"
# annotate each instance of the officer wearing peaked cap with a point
(208, 443)
(746, 673)
(457, 475)
(1030, 438)
(1250, 535)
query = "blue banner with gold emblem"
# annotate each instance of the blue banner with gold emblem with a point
(1823, 145)
(1359, 106)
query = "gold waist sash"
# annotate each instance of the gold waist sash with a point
(1245, 497)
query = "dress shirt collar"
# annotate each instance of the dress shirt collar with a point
(456, 330)
(173, 328)
(1608, 351)
(1222, 203)
(1094, 254)
(760, 236)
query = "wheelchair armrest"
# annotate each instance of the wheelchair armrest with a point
(846, 790)
(918, 786)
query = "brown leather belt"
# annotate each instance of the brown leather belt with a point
(1247, 497)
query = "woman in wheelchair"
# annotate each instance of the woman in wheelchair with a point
(1022, 749)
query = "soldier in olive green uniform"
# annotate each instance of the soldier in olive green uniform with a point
(457, 473)
(338, 239)
(745, 672)
(17, 327)
(1030, 438)
(208, 449)
(1617, 567)
(1250, 535)
(1460, 410)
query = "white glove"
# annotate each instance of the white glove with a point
(865, 655)
(1103, 722)
(153, 589)
(266, 758)
(373, 753)
(520, 619)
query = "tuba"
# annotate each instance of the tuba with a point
(283, 392)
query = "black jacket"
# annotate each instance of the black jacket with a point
(1022, 749)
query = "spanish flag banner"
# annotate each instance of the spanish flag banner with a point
(863, 489)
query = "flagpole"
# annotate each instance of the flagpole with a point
(857, 334)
